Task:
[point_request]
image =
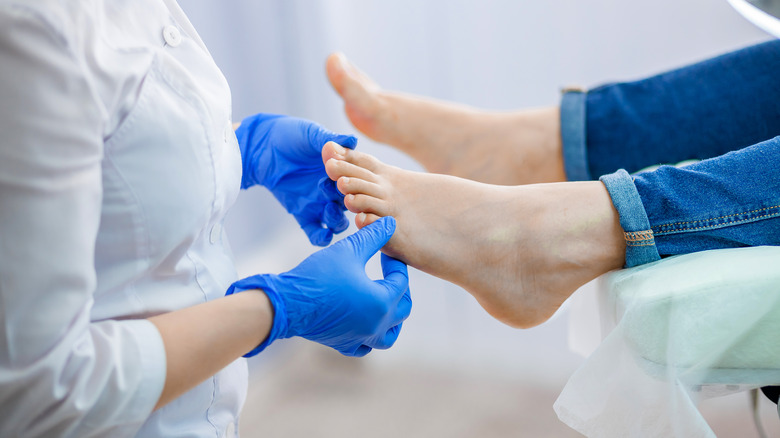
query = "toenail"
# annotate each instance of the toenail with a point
(345, 180)
(341, 150)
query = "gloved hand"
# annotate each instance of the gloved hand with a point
(283, 154)
(329, 299)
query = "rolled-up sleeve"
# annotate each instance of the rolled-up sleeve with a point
(61, 374)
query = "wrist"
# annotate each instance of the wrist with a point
(255, 309)
(265, 285)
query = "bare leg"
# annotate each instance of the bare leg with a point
(520, 251)
(498, 148)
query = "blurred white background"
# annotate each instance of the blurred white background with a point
(454, 371)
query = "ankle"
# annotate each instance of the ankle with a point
(538, 137)
(582, 227)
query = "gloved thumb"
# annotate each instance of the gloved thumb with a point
(371, 238)
(396, 276)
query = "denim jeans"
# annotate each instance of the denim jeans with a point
(724, 111)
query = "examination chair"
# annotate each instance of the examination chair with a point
(673, 333)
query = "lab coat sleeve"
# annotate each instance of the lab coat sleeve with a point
(60, 373)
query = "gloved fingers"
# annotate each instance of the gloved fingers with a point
(371, 238)
(360, 352)
(328, 188)
(333, 217)
(396, 275)
(348, 141)
(317, 235)
(386, 339)
(320, 136)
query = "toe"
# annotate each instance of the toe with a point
(336, 168)
(364, 160)
(360, 203)
(348, 80)
(334, 67)
(350, 185)
(359, 93)
(332, 150)
(363, 219)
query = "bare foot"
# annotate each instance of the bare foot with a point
(520, 251)
(498, 148)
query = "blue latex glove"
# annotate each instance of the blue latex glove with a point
(329, 299)
(283, 154)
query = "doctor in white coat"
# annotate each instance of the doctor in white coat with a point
(118, 163)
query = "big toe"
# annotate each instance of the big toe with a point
(334, 67)
(333, 150)
(337, 153)
(366, 161)
(353, 86)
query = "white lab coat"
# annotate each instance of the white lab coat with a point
(117, 166)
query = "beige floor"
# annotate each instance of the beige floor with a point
(309, 391)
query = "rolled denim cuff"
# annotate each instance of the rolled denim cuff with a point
(575, 159)
(640, 242)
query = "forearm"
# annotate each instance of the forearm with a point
(201, 340)
(696, 112)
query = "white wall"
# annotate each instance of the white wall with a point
(498, 54)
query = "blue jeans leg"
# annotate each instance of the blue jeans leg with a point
(725, 202)
(728, 108)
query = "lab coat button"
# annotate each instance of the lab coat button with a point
(172, 35)
(231, 431)
(216, 233)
